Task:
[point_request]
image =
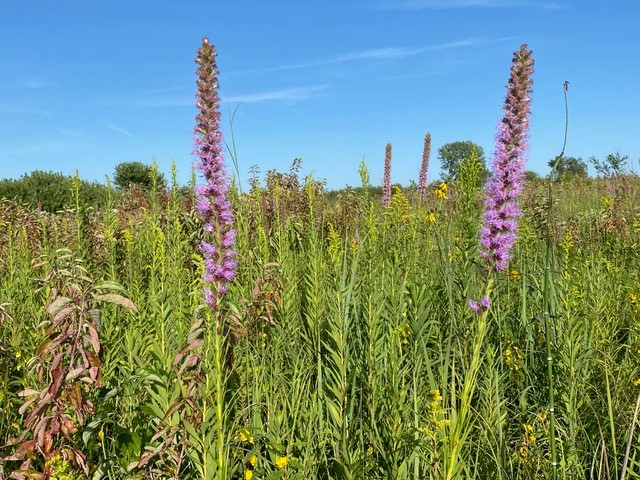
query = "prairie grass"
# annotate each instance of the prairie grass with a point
(353, 337)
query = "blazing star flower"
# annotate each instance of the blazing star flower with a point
(386, 180)
(481, 306)
(212, 203)
(499, 231)
(422, 179)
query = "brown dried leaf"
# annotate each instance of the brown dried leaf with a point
(58, 304)
(116, 300)
(26, 404)
(75, 373)
(61, 315)
(23, 450)
(28, 392)
(95, 339)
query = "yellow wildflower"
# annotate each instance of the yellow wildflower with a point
(245, 436)
(248, 474)
(441, 191)
(100, 435)
(253, 460)
(282, 462)
(431, 217)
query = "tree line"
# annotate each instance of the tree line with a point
(52, 192)
(452, 155)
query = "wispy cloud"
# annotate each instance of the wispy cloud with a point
(455, 4)
(288, 94)
(118, 129)
(36, 83)
(388, 53)
(165, 98)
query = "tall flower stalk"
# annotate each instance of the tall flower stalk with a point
(424, 167)
(386, 179)
(212, 430)
(212, 202)
(499, 231)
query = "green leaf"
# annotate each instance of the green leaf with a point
(89, 430)
(110, 285)
(128, 446)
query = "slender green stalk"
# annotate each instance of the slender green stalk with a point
(461, 426)
(548, 308)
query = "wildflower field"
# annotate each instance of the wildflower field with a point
(442, 331)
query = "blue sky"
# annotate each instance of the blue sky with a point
(87, 85)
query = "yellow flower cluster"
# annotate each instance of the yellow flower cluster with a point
(431, 217)
(513, 357)
(404, 331)
(244, 435)
(282, 462)
(527, 441)
(607, 202)
(60, 469)
(400, 209)
(441, 191)
(437, 413)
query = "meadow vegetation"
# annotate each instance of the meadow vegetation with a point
(343, 346)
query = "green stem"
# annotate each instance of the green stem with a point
(546, 304)
(460, 427)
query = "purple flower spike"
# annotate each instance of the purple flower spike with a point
(480, 307)
(422, 179)
(386, 180)
(212, 202)
(499, 231)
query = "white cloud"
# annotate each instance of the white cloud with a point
(388, 53)
(118, 129)
(35, 83)
(288, 94)
(160, 99)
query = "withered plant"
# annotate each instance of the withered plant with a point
(66, 365)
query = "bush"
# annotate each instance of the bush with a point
(137, 173)
(50, 191)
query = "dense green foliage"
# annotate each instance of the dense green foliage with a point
(569, 167)
(51, 191)
(351, 332)
(136, 173)
(451, 156)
